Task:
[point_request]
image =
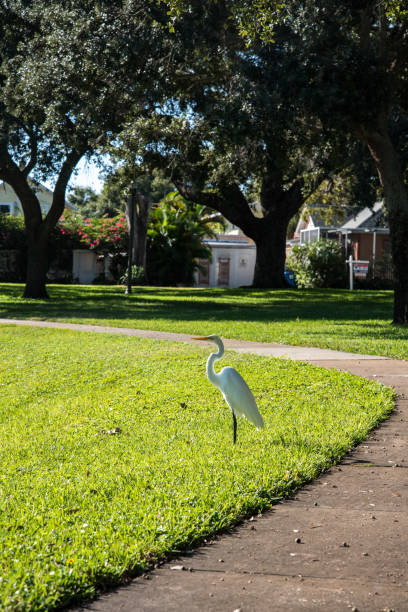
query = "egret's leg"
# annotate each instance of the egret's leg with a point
(234, 419)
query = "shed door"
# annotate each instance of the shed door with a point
(223, 270)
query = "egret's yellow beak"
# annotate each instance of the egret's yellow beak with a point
(201, 338)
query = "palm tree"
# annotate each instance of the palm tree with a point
(175, 240)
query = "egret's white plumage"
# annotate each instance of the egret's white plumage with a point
(233, 387)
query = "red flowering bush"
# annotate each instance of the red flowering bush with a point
(104, 234)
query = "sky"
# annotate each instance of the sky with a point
(87, 175)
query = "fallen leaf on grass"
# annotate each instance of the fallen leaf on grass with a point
(111, 432)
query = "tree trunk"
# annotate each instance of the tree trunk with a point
(398, 221)
(37, 267)
(270, 255)
(268, 232)
(141, 218)
(38, 229)
(278, 206)
(141, 221)
(396, 203)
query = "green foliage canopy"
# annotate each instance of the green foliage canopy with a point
(238, 133)
(350, 72)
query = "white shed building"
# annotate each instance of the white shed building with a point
(232, 264)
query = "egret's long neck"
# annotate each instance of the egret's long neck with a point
(212, 375)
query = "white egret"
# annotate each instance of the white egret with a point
(233, 387)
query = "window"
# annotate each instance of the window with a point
(5, 209)
(309, 235)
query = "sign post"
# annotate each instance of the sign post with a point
(351, 275)
(131, 204)
(357, 267)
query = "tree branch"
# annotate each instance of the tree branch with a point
(314, 186)
(58, 200)
(11, 174)
(34, 154)
(229, 201)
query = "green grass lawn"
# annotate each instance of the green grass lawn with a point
(116, 451)
(356, 321)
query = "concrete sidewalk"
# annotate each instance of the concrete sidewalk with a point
(340, 544)
(300, 353)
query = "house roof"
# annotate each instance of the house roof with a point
(233, 238)
(230, 240)
(366, 218)
(314, 219)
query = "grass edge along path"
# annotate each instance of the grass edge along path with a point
(358, 321)
(117, 452)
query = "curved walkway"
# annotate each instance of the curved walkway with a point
(340, 544)
(301, 353)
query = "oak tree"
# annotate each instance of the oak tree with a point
(69, 72)
(236, 122)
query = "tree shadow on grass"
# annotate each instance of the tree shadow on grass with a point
(186, 304)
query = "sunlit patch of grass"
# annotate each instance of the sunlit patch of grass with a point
(115, 452)
(356, 321)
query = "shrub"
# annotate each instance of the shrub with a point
(175, 240)
(104, 234)
(12, 232)
(137, 276)
(318, 264)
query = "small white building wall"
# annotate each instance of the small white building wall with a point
(242, 264)
(84, 269)
(88, 265)
(9, 198)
